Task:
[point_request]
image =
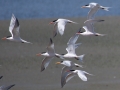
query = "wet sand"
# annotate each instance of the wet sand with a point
(21, 66)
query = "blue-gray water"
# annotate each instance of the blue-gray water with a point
(25, 9)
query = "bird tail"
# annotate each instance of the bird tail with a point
(59, 56)
(80, 58)
(105, 8)
(98, 34)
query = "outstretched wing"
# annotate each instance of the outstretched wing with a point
(50, 48)
(14, 27)
(45, 63)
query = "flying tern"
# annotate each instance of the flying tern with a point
(49, 55)
(60, 24)
(89, 28)
(68, 65)
(80, 73)
(94, 7)
(71, 49)
(14, 30)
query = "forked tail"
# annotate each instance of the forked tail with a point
(80, 58)
(105, 8)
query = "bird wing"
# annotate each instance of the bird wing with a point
(1, 77)
(61, 27)
(67, 76)
(14, 27)
(45, 63)
(71, 49)
(92, 12)
(82, 75)
(6, 87)
(50, 47)
(64, 74)
(73, 39)
(55, 31)
(89, 26)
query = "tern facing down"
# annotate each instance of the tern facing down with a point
(94, 7)
(14, 30)
(60, 24)
(89, 28)
(80, 73)
(50, 54)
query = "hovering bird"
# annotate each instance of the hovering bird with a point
(68, 65)
(94, 7)
(1, 77)
(6, 87)
(14, 30)
(80, 73)
(71, 49)
(89, 28)
(50, 54)
(60, 24)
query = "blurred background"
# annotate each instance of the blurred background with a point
(21, 66)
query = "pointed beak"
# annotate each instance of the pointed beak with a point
(83, 7)
(39, 54)
(68, 71)
(4, 38)
(51, 22)
(58, 63)
(77, 33)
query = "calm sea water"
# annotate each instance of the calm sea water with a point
(25, 9)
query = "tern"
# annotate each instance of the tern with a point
(60, 24)
(14, 30)
(6, 87)
(68, 65)
(80, 73)
(94, 7)
(71, 49)
(49, 55)
(89, 28)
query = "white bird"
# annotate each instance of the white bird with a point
(6, 87)
(80, 73)
(68, 65)
(1, 77)
(94, 7)
(60, 24)
(14, 30)
(50, 54)
(89, 28)
(71, 49)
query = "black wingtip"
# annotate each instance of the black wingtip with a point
(79, 30)
(51, 40)
(17, 22)
(101, 20)
(1, 77)
(11, 86)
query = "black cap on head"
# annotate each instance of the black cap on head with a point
(8, 36)
(87, 5)
(54, 20)
(72, 70)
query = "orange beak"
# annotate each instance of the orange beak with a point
(77, 33)
(4, 38)
(83, 7)
(51, 22)
(57, 63)
(39, 54)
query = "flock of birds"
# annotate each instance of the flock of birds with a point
(59, 26)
